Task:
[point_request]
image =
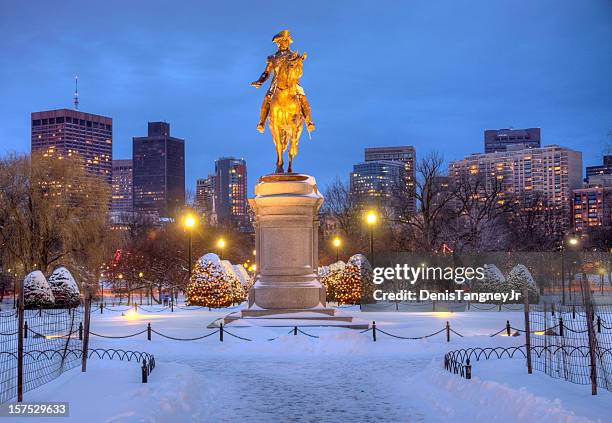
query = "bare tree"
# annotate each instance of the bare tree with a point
(52, 213)
(424, 206)
(478, 222)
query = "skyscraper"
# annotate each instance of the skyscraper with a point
(121, 199)
(551, 171)
(499, 139)
(159, 171)
(231, 192)
(65, 132)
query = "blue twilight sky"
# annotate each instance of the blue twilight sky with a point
(433, 74)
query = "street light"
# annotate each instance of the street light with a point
(573, 241)
(221, 245)
(337, 243)
(371, 218)
(189, 223)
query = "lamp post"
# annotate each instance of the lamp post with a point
(572, 241)
(189, 224)
(371, 219)
(337, 243)
(221, 245)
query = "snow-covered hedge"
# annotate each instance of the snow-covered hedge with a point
(65, 289)
(520, 276)
(493, 281)
(36, 291)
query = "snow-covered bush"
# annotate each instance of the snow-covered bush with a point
(211, 285)
(65, 289)
(355, 277)
(520, 276)
(493, 281)
(330, 278)
(237, 289)
(36, 291)
(243, 276)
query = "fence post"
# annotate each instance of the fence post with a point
(145, 370)
(573, 312)
(221, 332)
(25, 329)
(136, 307)
(172, 306)
(374, 331)
(101, 308)
(527, 328)
(499, 309)
(468, 369)
(295, 330)
(508, 327)
(598, 324)
(80, 331)
(149, 331)
(447, 331)
(85, 330)
(561, 328)
(20, 335)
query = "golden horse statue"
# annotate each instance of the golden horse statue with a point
(285, 105)
(286, 120)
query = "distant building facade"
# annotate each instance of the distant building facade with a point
(159, 171)
(496, 140)
(592, 204)
(121, 197)
(231, 205)
(66, 132)
(205, 198)
(385, 171)
(600, 170)
(552, 171)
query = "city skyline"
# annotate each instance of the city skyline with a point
(196, 76)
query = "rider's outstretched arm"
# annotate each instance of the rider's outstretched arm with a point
(264, 76)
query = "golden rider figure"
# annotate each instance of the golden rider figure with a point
(282, 40)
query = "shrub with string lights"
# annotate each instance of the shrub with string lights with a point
(330, 278)
(210, 285)
(355, 281)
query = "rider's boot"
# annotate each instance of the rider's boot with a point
(306, 113)
(263, 114)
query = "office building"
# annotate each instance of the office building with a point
(66, 132)
(385, 173)
(159, 171)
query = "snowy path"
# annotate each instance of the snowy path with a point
(317, 390)
(341, 376)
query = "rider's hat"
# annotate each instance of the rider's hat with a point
(283, 34)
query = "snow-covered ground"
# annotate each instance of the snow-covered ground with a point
(341, 376)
